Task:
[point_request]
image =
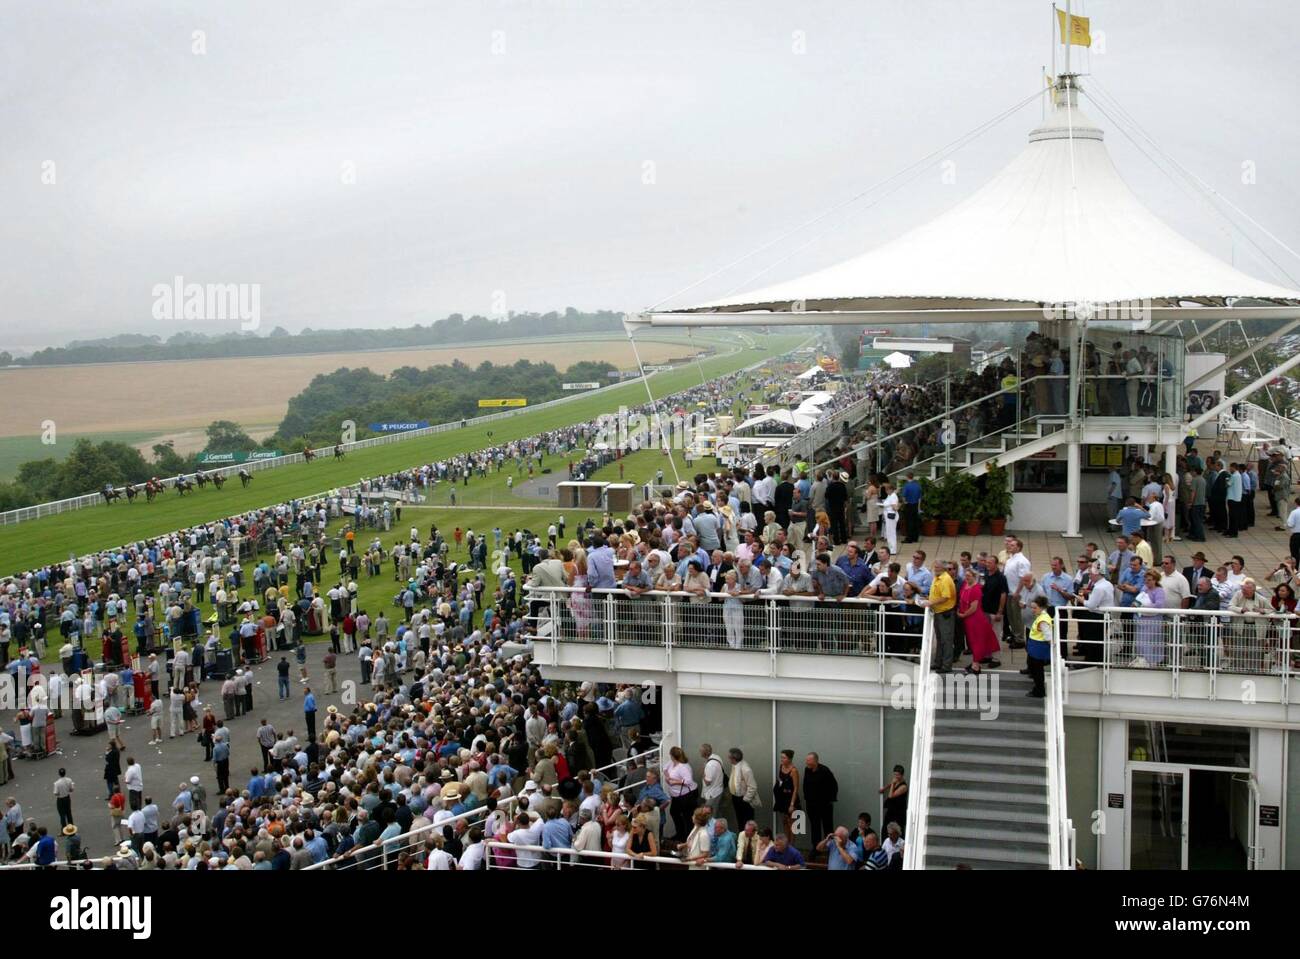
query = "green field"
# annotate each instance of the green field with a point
(17, 450)
(82, 531)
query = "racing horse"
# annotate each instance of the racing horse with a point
(308, 454)
(201, 478)
(218, 480)
(184, 485)
(151, 489)
(244, 478)
(338, 452)
(110, 494)
(131, 492)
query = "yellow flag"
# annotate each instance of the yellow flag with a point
(1078, 29)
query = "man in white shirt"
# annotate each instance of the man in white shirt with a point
(715, 777)
(134, 781)
(527, 832)
(590, 836)
(439, 859)
(475, 851)
(1015, 567)
(1178, 592)
(1155, 510)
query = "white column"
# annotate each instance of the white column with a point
(1171, 462)
(1072, 480)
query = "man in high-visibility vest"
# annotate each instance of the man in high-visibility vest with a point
(1011, 389)
(1039, 647)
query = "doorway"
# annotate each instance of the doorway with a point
(1219, 820)
(1184, 817)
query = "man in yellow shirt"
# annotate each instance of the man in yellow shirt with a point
(1143, 549)
(943, 605)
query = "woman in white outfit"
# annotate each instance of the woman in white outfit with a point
(733, 615)
(1170, 501)
(889, 513)
(872, 502)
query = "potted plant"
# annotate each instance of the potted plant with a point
(997, 501)
(966, 503)
(950, 484)
(932, 506)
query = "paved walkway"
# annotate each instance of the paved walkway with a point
(176, 760)
(1261, 546)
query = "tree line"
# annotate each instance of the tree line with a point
(192, 345)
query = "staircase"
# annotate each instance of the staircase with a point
(988, 788)
(1005, 446)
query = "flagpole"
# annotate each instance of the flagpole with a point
(1069, 39)
(1053, 46)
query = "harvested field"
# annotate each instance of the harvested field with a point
(178, 395)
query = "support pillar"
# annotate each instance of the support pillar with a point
(1072, 493)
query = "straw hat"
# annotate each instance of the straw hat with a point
(69, 830)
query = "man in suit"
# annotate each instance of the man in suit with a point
(820, 791)
(548, 573)
(1196, 572)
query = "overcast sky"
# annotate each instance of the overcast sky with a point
(537, 154)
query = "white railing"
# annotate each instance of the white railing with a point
(1272, 425)
(918, 791)
(562, 858)
(762, 622)
(1061, 847)
(805, 445)
(1183, 643)
(78, 864)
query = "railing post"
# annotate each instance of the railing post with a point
(773, 627)
(1175, 651)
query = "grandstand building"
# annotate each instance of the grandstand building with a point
(1179, 756)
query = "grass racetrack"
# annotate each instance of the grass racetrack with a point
(55, 538)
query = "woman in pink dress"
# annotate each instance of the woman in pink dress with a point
(980, 637)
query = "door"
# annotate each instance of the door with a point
(1157, 817)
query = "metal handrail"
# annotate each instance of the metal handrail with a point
(1212, 633)
(995, 435)
(564, 857)
(918, 799)
(384, 849)
(1061, 856)
(869, 444)
(657, 751)
(407, 840)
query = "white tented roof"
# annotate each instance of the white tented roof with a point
(899, 361)
(815, 399)
(799, 420)
(809, 373)
(1056, 225)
